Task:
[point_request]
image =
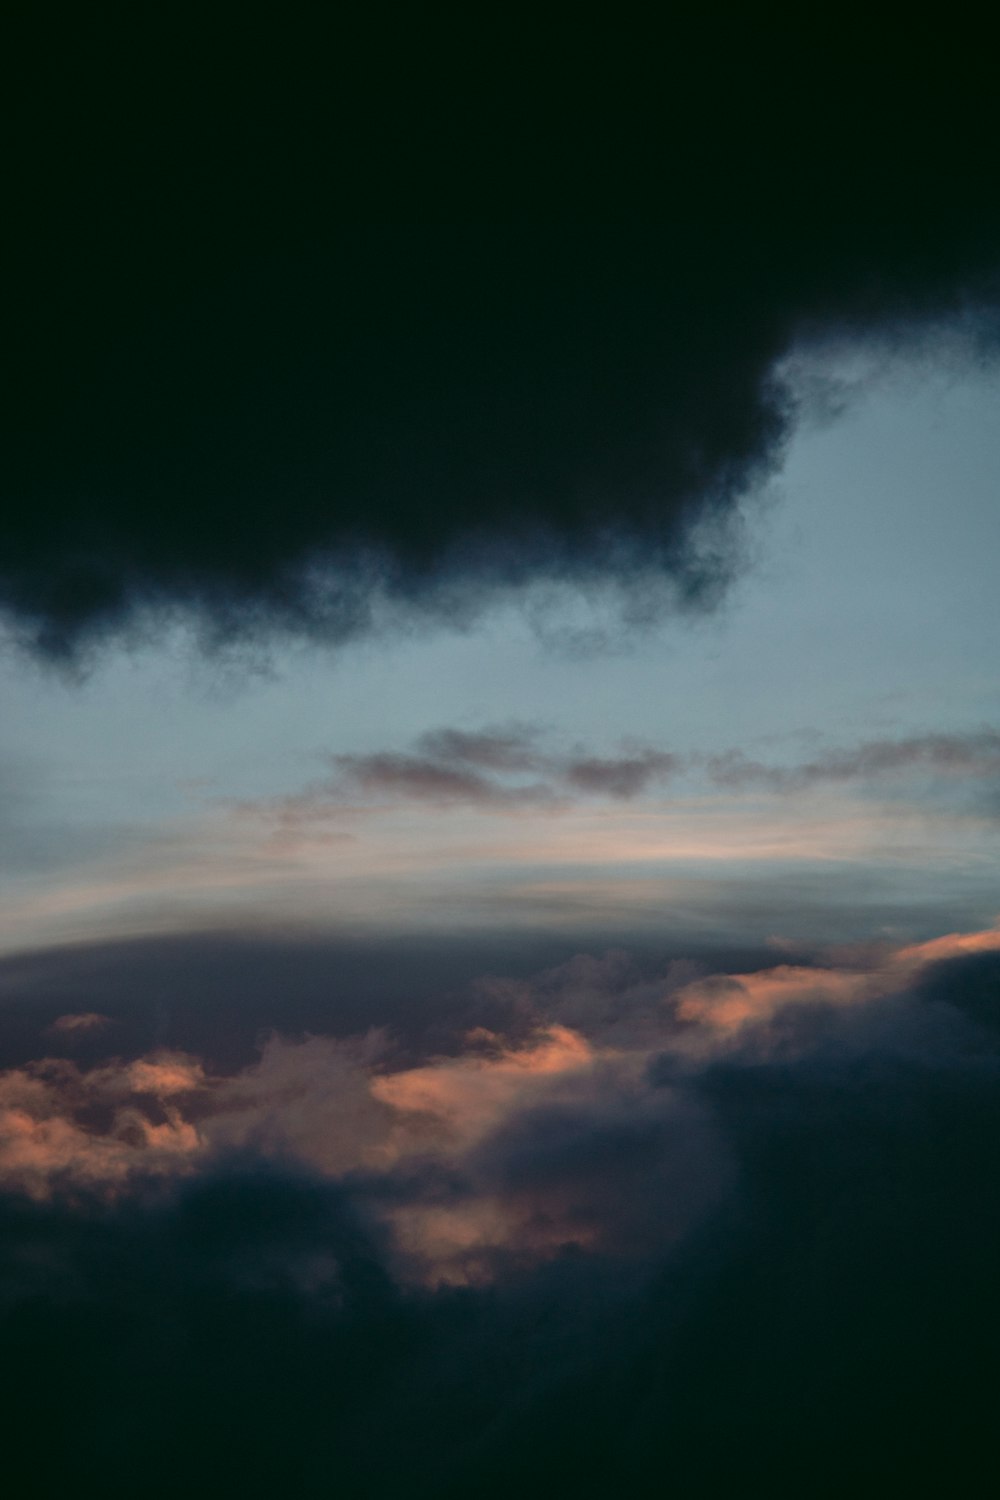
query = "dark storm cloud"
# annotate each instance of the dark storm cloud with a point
(824, 1316)
(294, 346)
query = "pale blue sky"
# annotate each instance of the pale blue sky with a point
(869, 609)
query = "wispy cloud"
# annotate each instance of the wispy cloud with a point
(463, 826)
(440, 782)
(503, 770)
(486, 769)
(975, 755)
(453, 766)
(78, 1021)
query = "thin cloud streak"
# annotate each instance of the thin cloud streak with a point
(452, 767)
(404, 865)
(973, 756)
(527, 820)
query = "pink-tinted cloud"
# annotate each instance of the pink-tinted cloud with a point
(514, 1126)
(88, 1020)
(728, 1002)
(61, 1128)
(458, 1100)
(165, 1075)
(951, 945)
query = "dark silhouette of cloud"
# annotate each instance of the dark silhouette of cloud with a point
(295, 348)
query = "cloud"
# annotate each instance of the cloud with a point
(87, 1020)
(464, 1097)
(972, 755)
(467, 1116)
(622, 776)
(64, 1129)
(734, 1000)
(482, 770)
(452, 767)
(254, 393)
(506, 749)
(459, 766)
(588, 1251)
(424, 780)
(486, 770)
(441, 782)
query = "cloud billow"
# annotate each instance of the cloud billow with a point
(270, 370)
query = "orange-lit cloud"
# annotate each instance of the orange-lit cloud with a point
(48, 1139)
(952, 945)
(79, 1021)
(458, 1100)
(165, 1075)
(730, 1001)
(337, 1106)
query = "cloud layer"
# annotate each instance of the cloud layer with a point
(761, 1203)
(283, 368)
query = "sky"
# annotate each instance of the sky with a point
(500, 767)
(152, 788)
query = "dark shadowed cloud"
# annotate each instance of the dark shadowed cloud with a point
(296, 347)
(736, 1249)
